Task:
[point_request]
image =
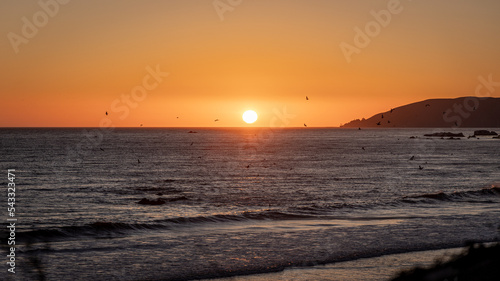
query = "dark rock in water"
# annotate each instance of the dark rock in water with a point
(159, 194)
(412, 137)
(192, 132)
(485, 133)
(177, 198)
(445, 134)
(497, 137)
(145, 201)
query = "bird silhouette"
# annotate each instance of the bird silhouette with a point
(388, 121)
(101, 149)
(420, 167)
(305, 125)
(378, 123)
(106, 113)
(138, 161)
(413, 157)
(359, 128)
(392, 110)
(307, 98)
(141, 125)
(427, 105)
(363, 147)
(382, 116)
(216, 120)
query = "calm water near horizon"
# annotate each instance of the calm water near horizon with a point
(240, 200)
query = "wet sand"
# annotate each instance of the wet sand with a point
(378, 268)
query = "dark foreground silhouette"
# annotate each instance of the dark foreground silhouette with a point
(477, 262)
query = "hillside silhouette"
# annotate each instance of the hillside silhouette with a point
(469, 112)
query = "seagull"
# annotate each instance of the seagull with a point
(382, 116)
(177, 117)
(305, 125)
(388, 121)
(216, 120)
(106, 113)
(307, 98)
(420, 167)
(378, 123)
(392, 110)
(359, 128)
(141, 125)
(426, 105)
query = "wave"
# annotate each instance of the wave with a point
(456, 196)
(101, 229)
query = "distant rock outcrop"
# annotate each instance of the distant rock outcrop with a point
(445, 134)
(467, 112)
(485, 133)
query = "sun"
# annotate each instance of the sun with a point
(250, 116)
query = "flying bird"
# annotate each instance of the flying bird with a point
(106, 113)
(216, 120)
(307, 98)
(141, 125)
(305, 125)
(392, 110)
(378, 123)
(382, 116)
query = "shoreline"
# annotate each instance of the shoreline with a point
(385, 267)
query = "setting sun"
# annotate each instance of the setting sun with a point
(250, 116)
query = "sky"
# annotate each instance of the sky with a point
(186, 63)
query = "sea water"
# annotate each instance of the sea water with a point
(239, 200)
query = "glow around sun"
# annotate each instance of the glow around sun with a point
(250, 116)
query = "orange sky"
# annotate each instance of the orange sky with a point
(261, 55)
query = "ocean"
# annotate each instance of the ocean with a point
(238, 201)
